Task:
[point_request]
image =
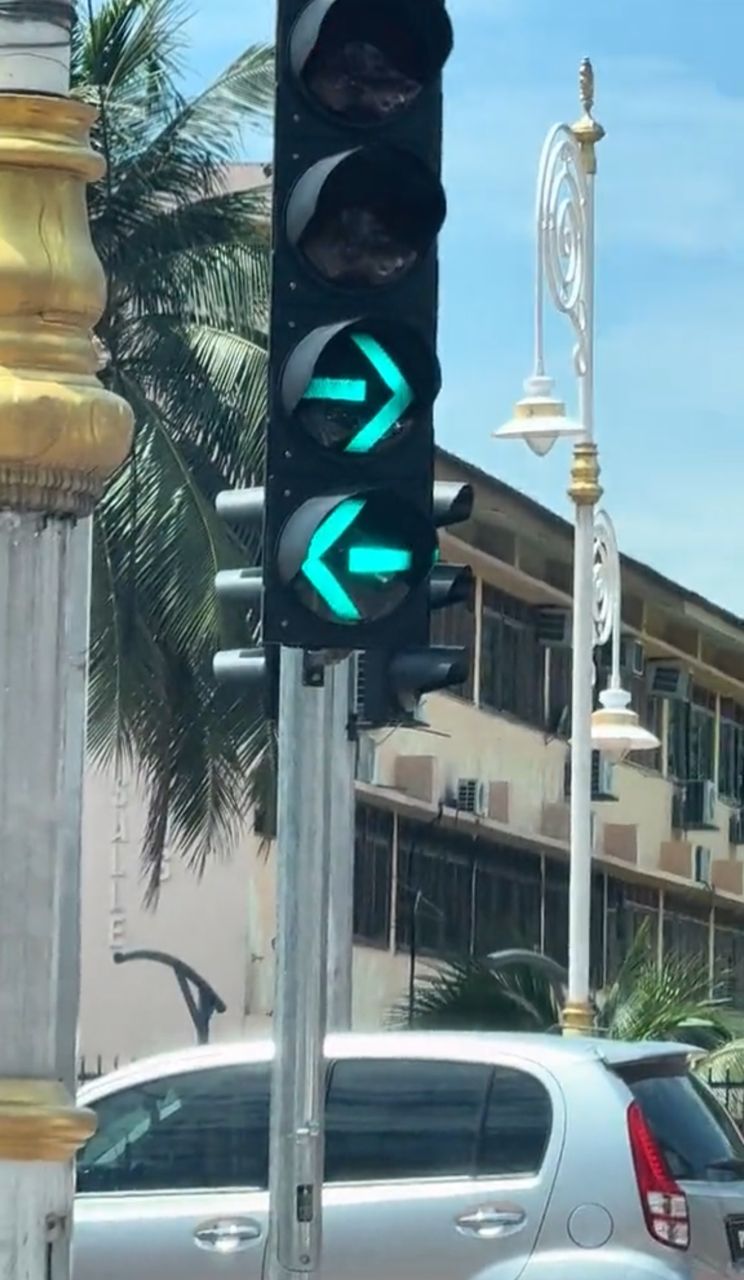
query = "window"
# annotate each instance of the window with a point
(208, 1129)
(691, 740)
(698, 1138)
(559, 693)
(649, 710)
(729, 957)
(394, 1120)
(373, 874)
(556, 911)
(629, 907)
(731, 752)
(512, 670)
(517, 1125)
(508, 893)
(455, 625)
(435, 885)
(686, 929)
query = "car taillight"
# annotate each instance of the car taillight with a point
(663, 1201)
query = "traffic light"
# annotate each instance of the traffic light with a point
(257, 667)
(349, 536)
(393, 682)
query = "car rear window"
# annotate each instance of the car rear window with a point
(699, 1139)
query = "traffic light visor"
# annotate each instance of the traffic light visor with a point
(367, 63)
(366, 217)
(359, 388)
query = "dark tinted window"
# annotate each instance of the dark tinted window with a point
(517, 1126)
(389, 1120)
(699, 1139)
(205, 1129)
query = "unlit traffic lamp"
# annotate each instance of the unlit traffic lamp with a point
(350, 534)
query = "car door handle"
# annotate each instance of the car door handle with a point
(227, 1235)
(490, 1222)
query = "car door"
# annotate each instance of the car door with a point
(437, 1168)
(173, 1185)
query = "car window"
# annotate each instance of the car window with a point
(392, 1119)
(207, 1129)
(696, 1134)
(517, 1126)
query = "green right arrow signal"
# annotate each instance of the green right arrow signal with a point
(354, 391)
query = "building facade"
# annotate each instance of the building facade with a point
(462, 824)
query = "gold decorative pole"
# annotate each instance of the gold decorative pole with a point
(61, 437)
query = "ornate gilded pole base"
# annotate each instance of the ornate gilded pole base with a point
(39, 1121)
(578, 1019)
(61, 433)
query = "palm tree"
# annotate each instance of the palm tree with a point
(184, 341)
(516, 991)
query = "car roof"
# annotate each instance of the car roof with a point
(551, 1051)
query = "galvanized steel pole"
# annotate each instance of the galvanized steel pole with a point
(297, 1128)
(342, 761)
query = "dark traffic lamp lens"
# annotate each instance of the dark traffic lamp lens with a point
(368, 62)
(365, 218)
(356, 389)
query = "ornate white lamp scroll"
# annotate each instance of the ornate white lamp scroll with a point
(616, 729)
(563, 257)
(565, 260)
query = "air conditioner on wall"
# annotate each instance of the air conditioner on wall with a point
(553, 626)
(472, 796)
(632, 656)
(667, 680)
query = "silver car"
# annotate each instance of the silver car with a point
(447, 1156)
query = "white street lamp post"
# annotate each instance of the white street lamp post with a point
(565, 259)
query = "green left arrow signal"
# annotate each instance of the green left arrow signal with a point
(368, 560)
(355, 391)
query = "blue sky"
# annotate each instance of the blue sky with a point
(670, 243)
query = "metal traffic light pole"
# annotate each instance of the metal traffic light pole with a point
(297, 1130)
(341, 806)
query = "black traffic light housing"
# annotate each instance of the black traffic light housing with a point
(353, 372)
(394, 681)
(256, 668)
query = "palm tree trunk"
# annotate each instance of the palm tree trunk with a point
(60, 435)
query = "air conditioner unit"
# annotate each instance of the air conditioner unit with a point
(553, 626)
(701, 865)
(603, 777)
(472, 796)
(667, 680)
(698, 806)
(632, 656)
(736, 827)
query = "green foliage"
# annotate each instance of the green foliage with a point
(187, 263)
(644, 1003)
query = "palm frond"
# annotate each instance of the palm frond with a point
(471, 995)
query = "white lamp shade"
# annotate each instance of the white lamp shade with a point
(539, 418)
(616, 729)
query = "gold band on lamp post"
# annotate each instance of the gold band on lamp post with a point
(39, 1121)
(61, 433)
